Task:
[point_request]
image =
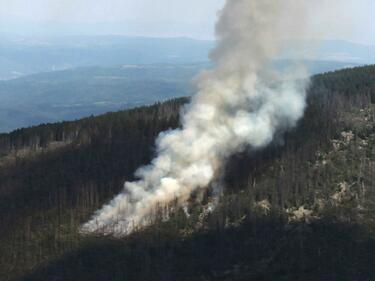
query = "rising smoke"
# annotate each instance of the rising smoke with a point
(240, 103)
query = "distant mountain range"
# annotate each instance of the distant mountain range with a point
(84, 91)
(81, 92)
(55, 79)
(330, 50)
(21, 56)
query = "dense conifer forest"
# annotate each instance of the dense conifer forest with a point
(301, 209)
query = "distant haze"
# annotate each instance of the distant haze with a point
(347, 19)
(194, 18)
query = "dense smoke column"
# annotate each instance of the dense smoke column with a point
(242, 102)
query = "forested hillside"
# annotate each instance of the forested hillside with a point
(302, 209)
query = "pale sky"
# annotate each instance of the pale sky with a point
(342, 19)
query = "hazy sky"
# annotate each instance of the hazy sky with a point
(346, 19)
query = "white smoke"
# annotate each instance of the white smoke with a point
(241, 103)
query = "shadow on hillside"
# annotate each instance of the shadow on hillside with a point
(263, 249)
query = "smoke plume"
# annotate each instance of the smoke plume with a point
(242, 102)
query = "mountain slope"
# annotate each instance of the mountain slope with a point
(302, 209)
